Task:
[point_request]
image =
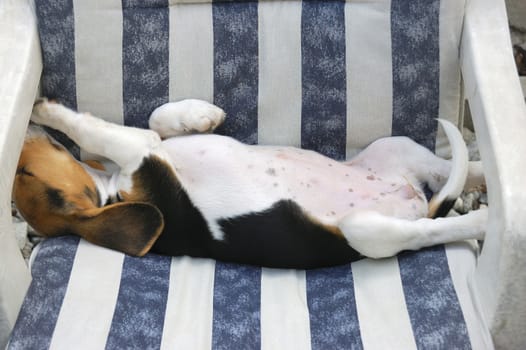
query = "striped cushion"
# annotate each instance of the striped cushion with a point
(83, 296)
(325, 75)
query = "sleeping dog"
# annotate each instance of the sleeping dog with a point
(206, 195)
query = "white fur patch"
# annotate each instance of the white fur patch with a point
(379, 236)
(106, 182)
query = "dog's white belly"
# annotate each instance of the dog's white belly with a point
(225, 178)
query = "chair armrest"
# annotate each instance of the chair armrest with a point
(499, 115)
(20, 68)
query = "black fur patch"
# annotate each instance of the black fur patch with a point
(55, 197)
(444, 208)
(185, 230)
(111, 200)
(94, 196)
(282, 237)
(56, 145)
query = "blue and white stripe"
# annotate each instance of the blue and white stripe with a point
(287, 72)
(139, 313)
(324, 108)
(99, 27)
(59, 70)
(236, 67)
(120, 59)
(280, 73)
(112, 301)
(332, 306)
(431, 299)
(58, 53)
(369, 82)
(284, 317)
(380, 300)
(45, 296)
(92, 267)
(416, 68)
(145, 58)
(189, 309)
(191, 53)
(237, 305)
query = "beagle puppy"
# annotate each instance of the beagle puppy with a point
(206, 195)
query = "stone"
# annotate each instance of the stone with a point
(517, 13)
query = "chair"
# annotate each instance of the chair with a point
(325, 75)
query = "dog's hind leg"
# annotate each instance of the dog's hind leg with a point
(446, 178)
(185, 117)
(378, 236)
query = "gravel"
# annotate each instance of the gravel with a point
(518, 40)
(25, 235)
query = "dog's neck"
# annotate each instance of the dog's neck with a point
(106, 182)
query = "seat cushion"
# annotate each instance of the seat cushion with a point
(84, 296)
(331, 76)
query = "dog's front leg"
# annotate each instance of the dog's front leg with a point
(126, 146)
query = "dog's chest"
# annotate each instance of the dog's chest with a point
(225, 178)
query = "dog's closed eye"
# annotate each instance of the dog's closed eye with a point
(23, 171)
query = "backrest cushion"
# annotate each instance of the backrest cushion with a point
(331, 76)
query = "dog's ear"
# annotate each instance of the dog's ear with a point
(129, 227)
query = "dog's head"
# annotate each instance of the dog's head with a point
(57, 196)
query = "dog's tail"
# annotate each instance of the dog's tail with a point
(443, 201)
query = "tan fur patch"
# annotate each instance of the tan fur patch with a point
(50, 185)
(95, 164)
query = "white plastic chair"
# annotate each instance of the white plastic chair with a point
(491, 87)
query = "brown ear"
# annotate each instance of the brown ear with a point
(129, 227)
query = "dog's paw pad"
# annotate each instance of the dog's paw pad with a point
(186, 117)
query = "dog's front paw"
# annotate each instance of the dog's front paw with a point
(43, 112)
(186, 117)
